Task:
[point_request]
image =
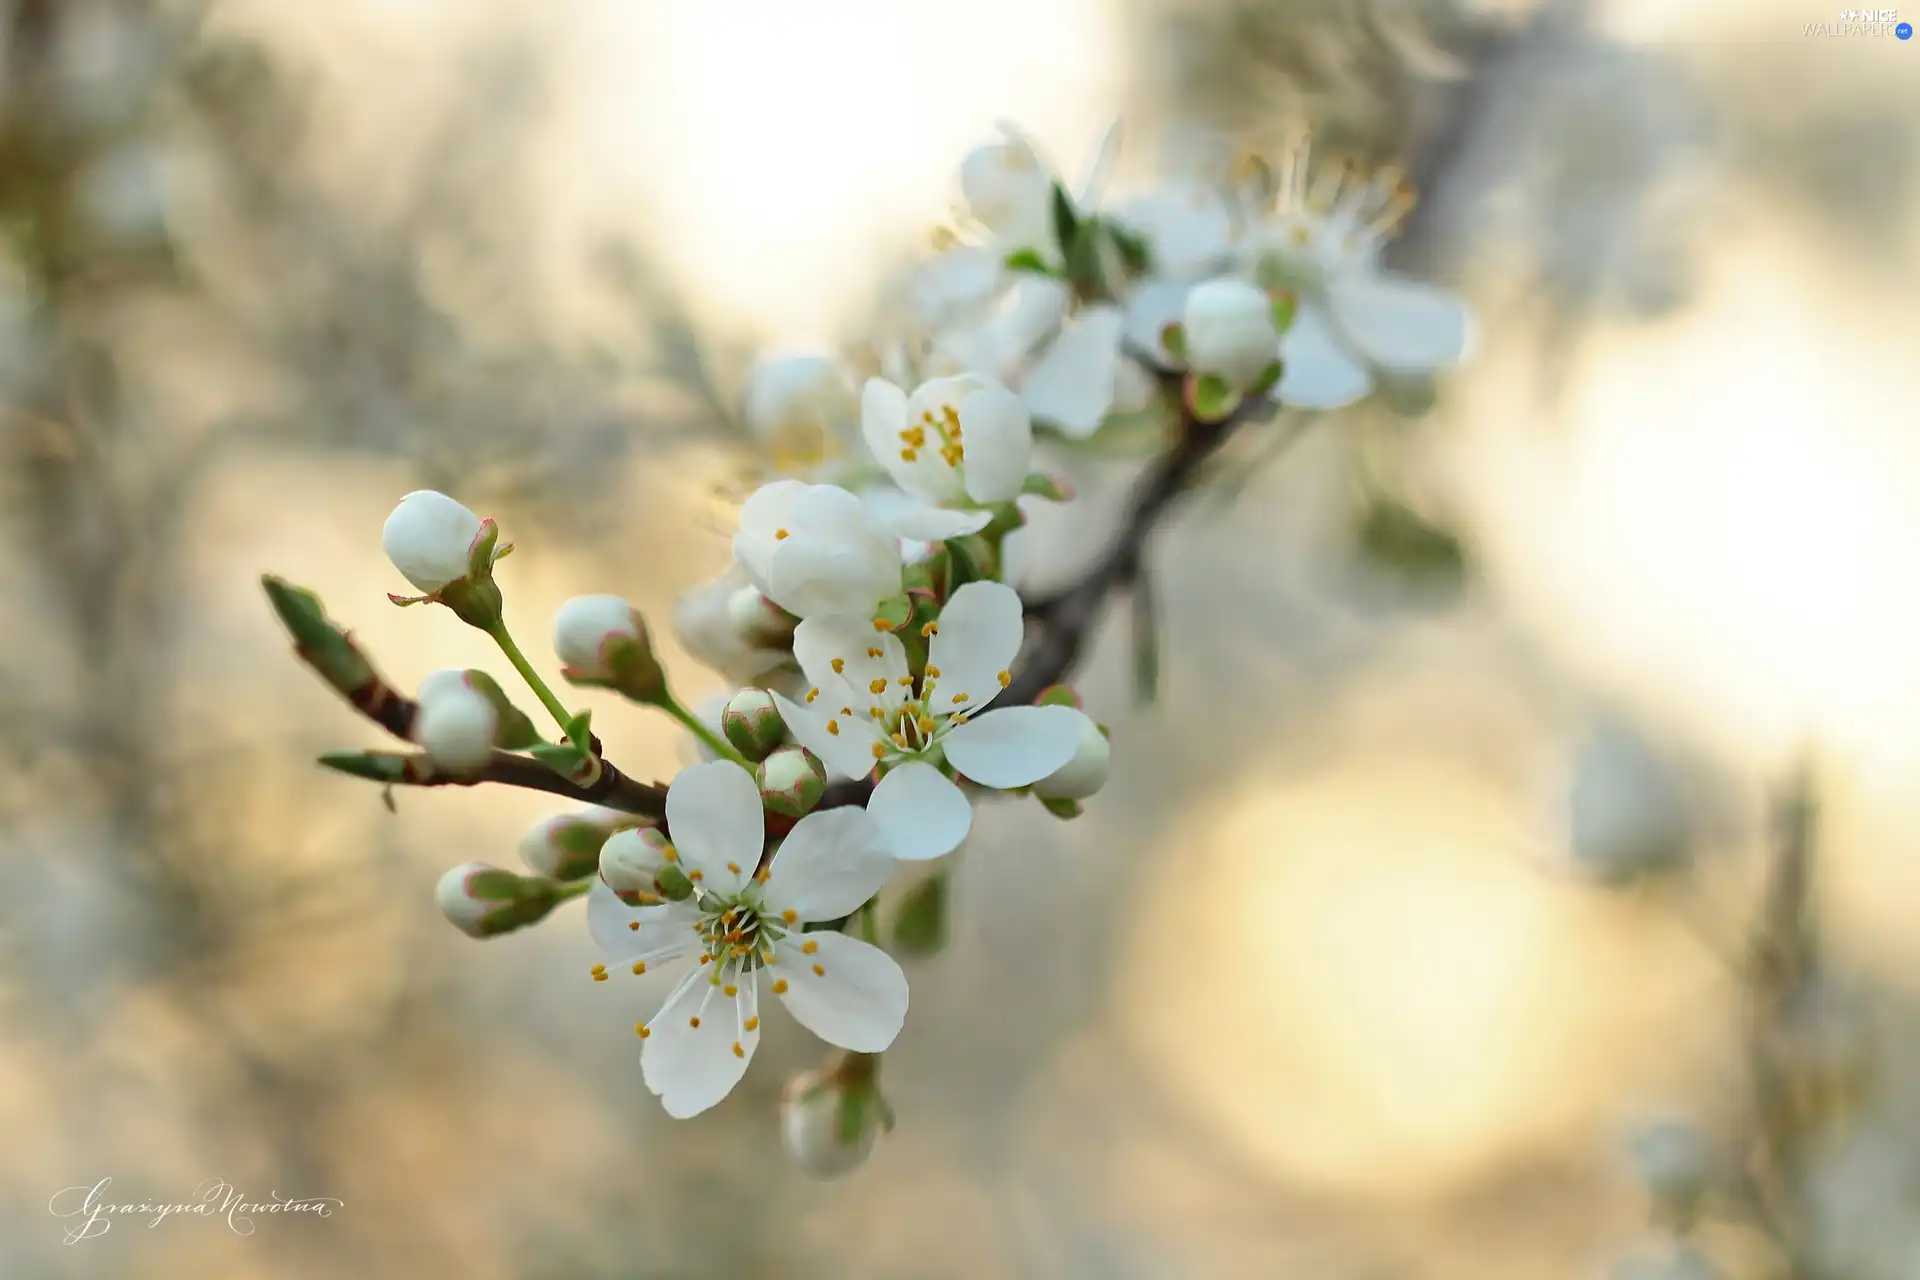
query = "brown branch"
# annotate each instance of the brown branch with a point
(612, 789)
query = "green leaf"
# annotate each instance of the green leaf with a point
(321, 645)
(562, 757)
(1393, 537)
(920, 923)
(579, 727)
(375, 766)
(1066, 222)
(1146, 641)
(1030, 261)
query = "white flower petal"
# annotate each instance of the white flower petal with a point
(1320, 374)
(999, 443)
(850, 751)
(665, 931)
(924, 524)
(690, 1068)
(766, 511)
(921, 814)
(718, 826)
(1072, 385)
(956, 286)
(1013, 746)
(1407, 326)
(883, 416)
(818, 641)
(978, 637)
(846, 992)
(809, 576)
(829, 865)
(1153, 306)
(427, 537)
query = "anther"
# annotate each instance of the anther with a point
(879, 752)
(809, 946)
(877, 686)
(812, 694)
(634, 925)
(781, 535)
(640, 1029)
(779, 986)
(790, 915)
(694, 1022)
(905, 682)
(925, 726)
(695, 875)
(734, 867)
(909, 455)
(819, 972)
(738, 1052)
(752, 1024)
(931, 629)
(881, 624)
(639, 967)
(899, 740)
(839, 665)
(876, 653)
(1005, 678)
(730, 991)
(959, 698)
(833, 727)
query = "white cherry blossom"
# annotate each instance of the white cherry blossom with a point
(812, 549)
(1322, 240)
(429, 537)
(802, 410)
(742, 926)
(956, 441)
(456, 723)
(866, 709)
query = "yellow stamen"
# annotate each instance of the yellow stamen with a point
(925, 726)
(1006, 678)
(906, 682)
(753, 1023)
(597, 970)
(876, 653)
(730, 991)
(639, 966)
(695, 875)
(839, 665)
(812, 694)
(640, 1029)
(670, 853)
(959, 698)
(909, 455)
(818, 971)
(877, 686)
(809, 947)
(635, 924)
(879, 752)
(781, 535)
(933, 673)
(881, 624)
(738, 1052)
(899, 740)
(779, 986)
(833, 727)
(734, 867)
(790, 915)
(914, 436)
(694, 1022)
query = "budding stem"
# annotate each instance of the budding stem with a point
(714, 742)
(554, 706)
(564, 889)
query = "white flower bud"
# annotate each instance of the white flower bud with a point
(792, 780)
(635, 864)
(813, 1125)
(567, 846)
(1625, 814)
(457, 723)
(1083, 775)
(703, 623)
(752, 723)
(429, 537)
(483, 901)
(758, 621)
(583, 626)
(1229, 332)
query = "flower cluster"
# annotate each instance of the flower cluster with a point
(877, 646)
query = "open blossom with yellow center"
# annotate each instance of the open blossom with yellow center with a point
(742, 926)
(801, 410)
(867, 709)
(813, 549)
(1321, 240)
(955, 442)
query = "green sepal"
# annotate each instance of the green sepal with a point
(1211, 398)
(322, 645)
(1052, 488)
(579, 726)
(1065, 810)
(920, 921)
(1058, 695)
(969, 559)
(1269, 379)
(374, 766)
(476, 602)
(853, 1115)
(1030, 262)
(895, 613)
(516, 730)
(1173, 336)
(673, 884)
(496, 885)
(1286, 305)
(921, 576)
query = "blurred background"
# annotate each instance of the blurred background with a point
(1329, 984)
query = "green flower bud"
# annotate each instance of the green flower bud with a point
(752, 723)
(638, 864)
(567, 846)
(483, 901)
(792, 781)
(602, 640)
(830, 1119)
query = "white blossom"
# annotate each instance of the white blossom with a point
(429, 537)
(954, 441)
(1229, 332)
(566, 846)
(740, 927)
(812, 1126)
(1322, 240)
(729, 626)
(456, 723)
(812, 549)
(866, 709)
(801, 409)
